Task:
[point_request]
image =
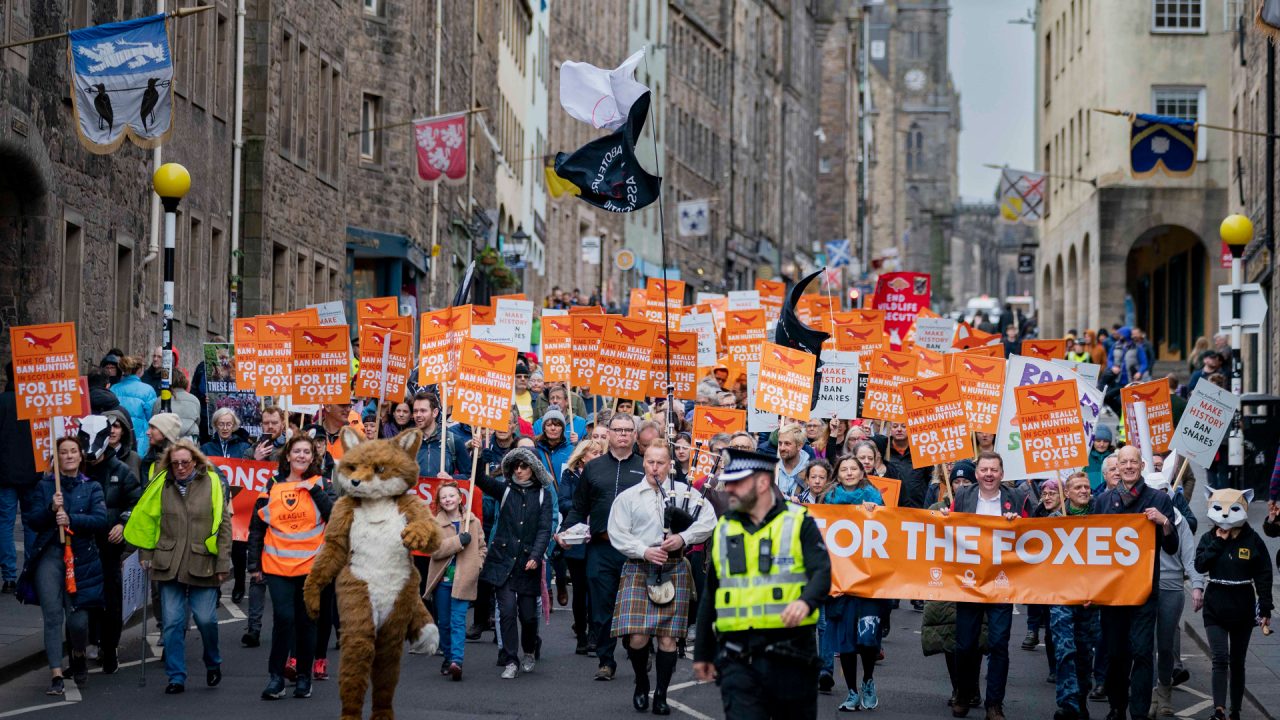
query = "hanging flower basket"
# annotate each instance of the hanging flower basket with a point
(489, 257)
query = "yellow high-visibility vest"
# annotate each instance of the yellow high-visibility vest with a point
(754, 600)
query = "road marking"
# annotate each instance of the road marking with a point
(683, 685)
(1196, 709)
(1191, 691)
(232, 609)
(687, 710)
(71, 697)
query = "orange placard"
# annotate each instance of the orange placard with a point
(785, 385)
(440, 337)
(244, 334)
(968, 337)
(922, 555)
(372, 377)
(46, 370)
(625, 358)
(744, 334)
(772, 294)
(321, 365)
(585, 335)
(656, 292)
(1159, 413)
(710, 421)
(493, 301)
(815, 311)
(557, 348)
(483, 314)
(887, 371)
(937, 425)
(1045, 349)
(40, 440)
(984, 351)
(383, 307)
(932, 364)
(395, 324)
(1051, 426)
(274, 352)
(890, 489)
(482, 391)
(982, 387)
(585, 310)
(859, 315)
(638, 304)
(684, 366)
(862, 338)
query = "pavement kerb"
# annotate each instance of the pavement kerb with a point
(27, 654)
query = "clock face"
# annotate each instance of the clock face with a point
(914, 79)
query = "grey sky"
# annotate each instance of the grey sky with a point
(993, 66)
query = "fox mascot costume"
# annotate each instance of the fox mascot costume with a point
(374, 525)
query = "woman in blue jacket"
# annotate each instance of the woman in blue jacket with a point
(137, 398)
(81, 511)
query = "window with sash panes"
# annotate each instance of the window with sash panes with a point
(1175, 16)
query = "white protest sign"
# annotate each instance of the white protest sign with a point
(757, 420)
(1204, 423)
(134, 587)
(704, 324)
(518, 315)
(935, 334)
(500, 334)
(331, 313)
(1087, 370)
(744, 300)
(838, 392)
(702, 297)
(1021, 370)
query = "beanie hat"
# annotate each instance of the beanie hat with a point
(1050, 485)
(1102, 432)
(553, 415)
(110, 359)
(963, 469)
(169, 425)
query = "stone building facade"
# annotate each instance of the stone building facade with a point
(982, 257)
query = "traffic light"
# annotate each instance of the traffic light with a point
(853, 296)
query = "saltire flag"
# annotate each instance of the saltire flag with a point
(601, 98)
(1268, 18)
(122, 84)
(1160, 143)
(1022, 196)
(839, 253)
(606, 169)
(793, 333)
(695, 217)
(441, 144)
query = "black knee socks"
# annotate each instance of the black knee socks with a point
(849, 666)
(666, 667)
(640, 664)
(869, 656)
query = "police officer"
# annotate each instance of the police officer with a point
(770, 571)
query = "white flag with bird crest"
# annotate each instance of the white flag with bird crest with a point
(122, 84)
(598, 97)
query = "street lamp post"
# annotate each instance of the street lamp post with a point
(1236, 232)
(171, 182)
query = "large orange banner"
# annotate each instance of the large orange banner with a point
(244, 336)
(684, 366)
(321, 365)
(586, 333)
(439, 339)
(785, 386)
(1051, 426)
(937, 426)
(482, 390)
(743, 335)
(924, 555)
(982, 387)
(1159, 413)
(625, 359)
(370, 379)
(557, 348)
(46, 370)
(887, 371)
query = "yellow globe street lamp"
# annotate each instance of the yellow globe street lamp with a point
(171, 182)
(1237, 233)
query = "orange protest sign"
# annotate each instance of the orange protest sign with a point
(585, 334)
(585, 310)
(395, 324)
(383, 307)
(625, 358)
(709, 421)
(982, 387)
(860, 315)
(744, 334)
(638, 304)
(1159, 413)
(968, 337)
(321, 365)
(1045, 349)
(886, 372)
(862, 338)
(656, 292)
(483, 314)
(815, 311)
(274, 351)
(493, 301)
(244, 336)
(482, 390)
(46, 370)
(785, 386)
(772, 295)
(923, 555)
(440, 337)
(1051, 426)
(983, 351)
(557, 348)
(370, 379)
(41, 441)
(684, 366)
(937, 425)
(932, 364)
(890, 489)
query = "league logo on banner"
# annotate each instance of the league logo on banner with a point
(937, 424)
(1052, 430)
(122, 84)
(441, 143)
(695, 218)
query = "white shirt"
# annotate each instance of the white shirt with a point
(635, 519)
(989, 507)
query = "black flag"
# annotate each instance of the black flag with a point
(606, 169)
(463, 296)
(794, 334)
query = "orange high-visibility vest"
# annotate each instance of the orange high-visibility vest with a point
(295, 530)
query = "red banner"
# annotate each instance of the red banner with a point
(901, 295)
(441, 144)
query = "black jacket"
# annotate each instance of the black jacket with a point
(1112, 502)
(19, 467)
(120, 488)
(523, 527)
(817, 568)
(915, 481)
(321, 493)
(1235, 560)
(602, 480)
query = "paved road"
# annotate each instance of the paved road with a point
(911, 686)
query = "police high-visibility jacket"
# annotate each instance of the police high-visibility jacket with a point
(755, 599)
(295, 528)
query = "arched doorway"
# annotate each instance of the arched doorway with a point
(24, 225)
(1047, 301)
(1070, 300)
(1167, 275)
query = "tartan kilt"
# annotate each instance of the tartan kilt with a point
(635, 614)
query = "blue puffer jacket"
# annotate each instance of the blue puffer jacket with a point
(137, 397)
(87, 508)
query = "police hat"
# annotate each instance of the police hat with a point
(742, 464)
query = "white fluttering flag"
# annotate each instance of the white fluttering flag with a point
(601, 98)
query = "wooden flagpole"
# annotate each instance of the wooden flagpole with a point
(471, 484)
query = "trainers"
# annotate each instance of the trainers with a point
(291, 670)
(869, 698)
(1031, 641)
(91, 652)
(303, 688)
(851, 702)
(509, 672)
(455, 671)
(604, 673)
(825, 682)
(527, 663)
(274, 689)
(995, 712)
(56, 687)
(320, 669)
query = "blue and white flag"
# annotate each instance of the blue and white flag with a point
(1159, 143)
(839, 253)
(122, 83)
(695, 218)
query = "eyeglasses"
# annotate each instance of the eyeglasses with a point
(183, 463)
(622, 430)
(523, 466)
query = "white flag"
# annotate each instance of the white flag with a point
(601, 98)
(695, 217)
